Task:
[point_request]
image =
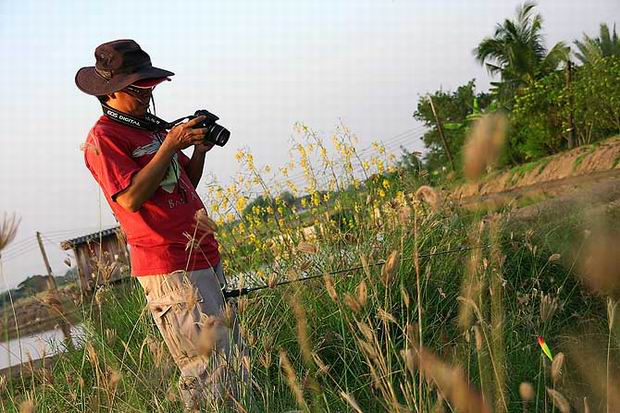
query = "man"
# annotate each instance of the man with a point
(150, 186)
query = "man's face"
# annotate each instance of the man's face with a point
(132, 100)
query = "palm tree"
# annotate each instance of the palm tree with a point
(516, 52)
(605, 45)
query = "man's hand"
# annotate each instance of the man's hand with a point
(183, 135)
(203, 148)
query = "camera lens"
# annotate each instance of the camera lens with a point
(218, 135)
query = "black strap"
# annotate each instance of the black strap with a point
(150, 122)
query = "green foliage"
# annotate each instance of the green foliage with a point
(453, 109)
(539, 120)
(517, 53)
(605, 45)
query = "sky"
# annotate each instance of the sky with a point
(259, 65)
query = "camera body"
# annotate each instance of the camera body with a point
(216, 134)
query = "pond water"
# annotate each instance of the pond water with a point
(37, 345)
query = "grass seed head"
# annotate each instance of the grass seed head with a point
(556, 367)
(212, 332)
(307, 247)
(351, 302)
(548, 307)
(484, 144)
(387, 274)
(330, 287)
(27, 406)
(600, 267)
(526, 392)
(428, 195)
(559, 401)
(8, 230)
(291, 378)
(362, 293)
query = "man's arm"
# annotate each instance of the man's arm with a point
(146, 181)
(197, 163)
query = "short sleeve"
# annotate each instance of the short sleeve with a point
(110, 162)
(184, 161)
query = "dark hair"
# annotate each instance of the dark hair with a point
(103, 98)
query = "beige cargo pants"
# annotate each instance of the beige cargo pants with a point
(202, 335)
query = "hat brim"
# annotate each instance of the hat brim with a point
(89, 82)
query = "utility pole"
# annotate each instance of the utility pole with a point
(443, 138)
(571, 120)
(51, 282)
(54, 301)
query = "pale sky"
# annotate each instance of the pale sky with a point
(259, 65)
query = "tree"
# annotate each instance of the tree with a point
(605, 45)
(453, 109)
(517, 53)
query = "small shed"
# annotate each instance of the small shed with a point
(101, 257)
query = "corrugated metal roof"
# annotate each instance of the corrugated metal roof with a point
(95, 236)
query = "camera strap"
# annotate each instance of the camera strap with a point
(150, 122)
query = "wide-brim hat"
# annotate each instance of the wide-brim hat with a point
(118, 64)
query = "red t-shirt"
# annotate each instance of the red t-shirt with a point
(114, 153)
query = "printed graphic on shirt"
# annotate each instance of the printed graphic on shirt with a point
(173, 173)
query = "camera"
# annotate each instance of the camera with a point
(216, 134)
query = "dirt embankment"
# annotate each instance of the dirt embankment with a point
(598, 159)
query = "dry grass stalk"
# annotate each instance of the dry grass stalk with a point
(387, 273)
(405, 296)
(450, 381)
(8, 230)
(548, 307)
(428, 195)
(91, 354)
(307, 247)
(385, 316)
(472, 282)
(351, 301)
(362, 293)
(110, 336)
(351, 401)
(330, 287)
(204, 223)
(554, 257)
(556, 367)
(559, 401)
(302, 330)
(484, 144)
(365, 265)
(291, 379)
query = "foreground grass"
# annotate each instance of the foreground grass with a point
(417, 307)
(347, 342)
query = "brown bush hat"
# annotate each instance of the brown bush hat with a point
(118, 64)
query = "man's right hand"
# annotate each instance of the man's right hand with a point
(184, 135)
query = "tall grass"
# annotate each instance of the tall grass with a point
(420, 307)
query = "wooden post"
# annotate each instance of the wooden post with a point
(51, 285)
(443, 138)
(571, 121)
(51, 282)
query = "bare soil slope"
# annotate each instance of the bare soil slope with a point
(601, 159)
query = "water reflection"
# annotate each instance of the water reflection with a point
(36, 345)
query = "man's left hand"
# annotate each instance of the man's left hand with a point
(203, 148)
